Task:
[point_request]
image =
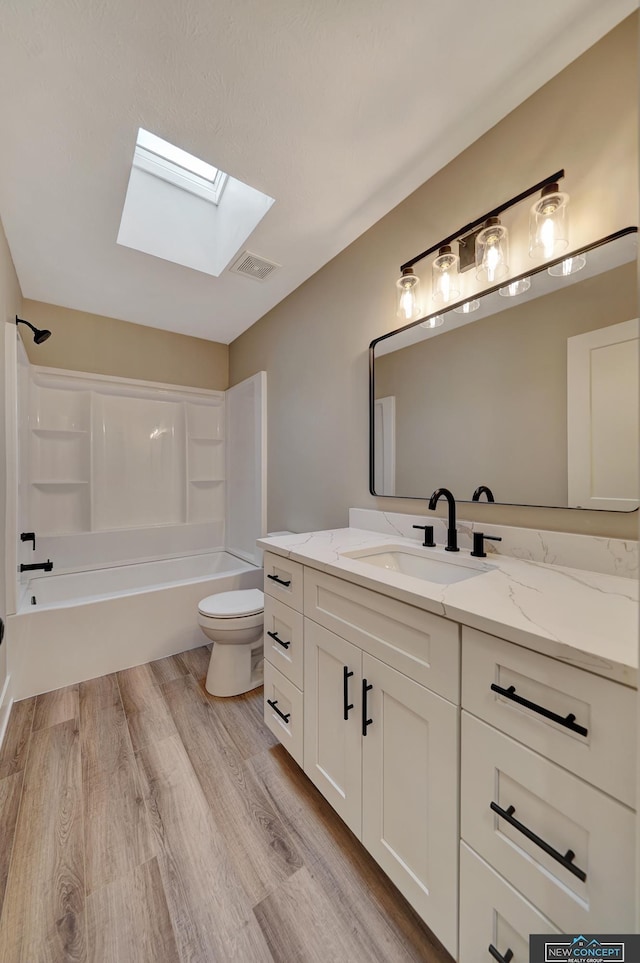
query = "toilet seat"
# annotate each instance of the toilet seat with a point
(238, 604)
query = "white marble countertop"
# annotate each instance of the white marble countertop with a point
(585, 618)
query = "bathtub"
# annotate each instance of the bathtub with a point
(86, 624)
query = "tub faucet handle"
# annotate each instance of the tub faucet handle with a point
(29, 537)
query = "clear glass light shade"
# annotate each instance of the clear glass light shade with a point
(549, 224)
(435, 322)
(492, 253)
(468, 307)
(570, 265)
(515, 288)
(409, 299)
(445, 279)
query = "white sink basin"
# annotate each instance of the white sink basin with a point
(433, 566)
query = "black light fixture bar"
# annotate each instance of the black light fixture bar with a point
(468, 228)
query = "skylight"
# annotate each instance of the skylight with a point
(178, 167)
(184, 209)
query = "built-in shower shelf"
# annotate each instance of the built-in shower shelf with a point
(42, 483)
(58, 432)
(206, 481)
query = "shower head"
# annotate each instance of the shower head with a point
(39, 335)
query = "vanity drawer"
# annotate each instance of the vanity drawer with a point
(283, 579)
(559, 811)
(604, 755)
(423, 646)
(493, 913)
(283, 639)
(284, 717)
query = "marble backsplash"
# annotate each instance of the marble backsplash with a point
(610, 556)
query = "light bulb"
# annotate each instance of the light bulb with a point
(570, 265)
(444, 276)
(549, 223)
(515, 288)
(492, 251)
(408, 305)
(468, 307)
(435, 322)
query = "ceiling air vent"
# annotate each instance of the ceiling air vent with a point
(254, 267)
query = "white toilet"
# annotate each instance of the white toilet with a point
(234, 622)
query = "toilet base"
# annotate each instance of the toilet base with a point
(234, 669)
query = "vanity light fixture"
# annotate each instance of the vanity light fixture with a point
(515, 288)
(435, 322)
(484, 244)
(445, 283)
(570, 265)
(409, 304)
(468, 307)
(549, 223)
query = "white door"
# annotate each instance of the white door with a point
(332, 751)
(602, 418)
(384, 446)
(410, 792)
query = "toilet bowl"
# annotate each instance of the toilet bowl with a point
(234, 622)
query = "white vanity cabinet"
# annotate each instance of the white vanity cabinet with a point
(492, 783)
(547, 796)
(390, 769)
(383, 749)
(284, 652)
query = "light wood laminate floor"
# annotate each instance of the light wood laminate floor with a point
(144, 821)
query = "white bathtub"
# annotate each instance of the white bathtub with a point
(87, 624)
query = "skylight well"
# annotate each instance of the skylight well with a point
(178, 167)
(184, 209)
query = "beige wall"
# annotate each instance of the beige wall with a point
(506, 416)
(89, 342)
(314, 344)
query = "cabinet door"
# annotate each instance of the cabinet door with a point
(410, 792)
(332, 750)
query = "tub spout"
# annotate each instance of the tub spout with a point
(36, 566)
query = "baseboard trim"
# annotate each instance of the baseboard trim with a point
(5, 708)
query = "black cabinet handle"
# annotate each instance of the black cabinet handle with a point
(280, 581)
(508, 956)
(274, 636)
(569, 722)
(365, 722)
(346, 675)
(274, 705)
(566, 860)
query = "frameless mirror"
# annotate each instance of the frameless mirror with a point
(534, 396)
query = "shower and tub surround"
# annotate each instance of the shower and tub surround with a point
(86, 624)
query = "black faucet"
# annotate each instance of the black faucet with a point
(45, 566)
(482, 490)
(452, 535)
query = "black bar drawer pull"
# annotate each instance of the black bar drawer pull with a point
(568, 721)
(508, 956)
(280, 581)
(566, 860)
(365, 722)
(346, 675)
(274, 705)
(274, 636)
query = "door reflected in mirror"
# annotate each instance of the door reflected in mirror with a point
(533, 395)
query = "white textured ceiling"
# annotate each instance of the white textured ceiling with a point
(333, 107)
